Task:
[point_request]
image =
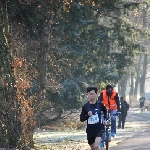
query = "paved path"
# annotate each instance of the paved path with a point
(139, 139)
(135, 136)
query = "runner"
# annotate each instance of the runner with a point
(91, 112)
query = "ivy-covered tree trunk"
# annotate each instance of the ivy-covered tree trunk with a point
(10, 129)
(16, 113)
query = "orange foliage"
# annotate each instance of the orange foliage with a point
(26, 111)
(18, 62)
(26, 106)
(22, 85)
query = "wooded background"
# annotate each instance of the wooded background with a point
(51, 50)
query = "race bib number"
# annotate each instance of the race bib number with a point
(93, 119)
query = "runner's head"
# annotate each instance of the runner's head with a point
(109, 86)
(92, 93)
(109, 89)
(92, 88)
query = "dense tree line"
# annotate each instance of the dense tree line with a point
(51, 50)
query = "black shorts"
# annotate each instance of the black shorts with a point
(92, 136)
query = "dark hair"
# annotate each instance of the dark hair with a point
(108, 87)
(92, 88)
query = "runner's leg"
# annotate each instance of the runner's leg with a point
(97, 142)
(113, 122)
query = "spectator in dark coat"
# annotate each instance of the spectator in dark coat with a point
(124, 109)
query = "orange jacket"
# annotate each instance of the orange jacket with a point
(113, 105)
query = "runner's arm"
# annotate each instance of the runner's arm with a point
(84, 115)
(103, 108)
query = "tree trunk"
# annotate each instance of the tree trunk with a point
(123, 85)
(145, 63)
(131, 94)
(137, 81)
(142, 80)
(10, 127)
